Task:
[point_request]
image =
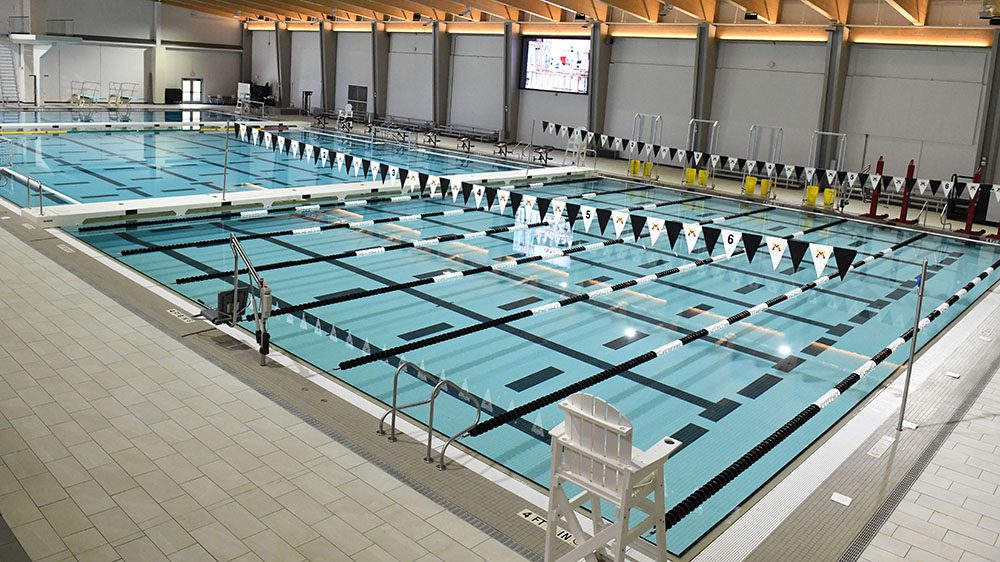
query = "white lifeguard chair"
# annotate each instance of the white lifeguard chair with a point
(592, 449)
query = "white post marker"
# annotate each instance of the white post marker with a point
(913, 350)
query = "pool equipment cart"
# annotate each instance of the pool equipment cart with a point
(763, 145)
(647, 128)
(231, 304)
(442, 384)
(702, 140)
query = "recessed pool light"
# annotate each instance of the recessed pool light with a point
(630, 332)
(784, 350)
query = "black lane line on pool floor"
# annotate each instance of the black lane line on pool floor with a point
(345, 336)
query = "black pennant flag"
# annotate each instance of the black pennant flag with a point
(741, 163)
(751, 242)
(365, 167)
(515, 202)
(844, 258)
(910, 182)
(383, 171)
(798, 171)
(543, 206)
(841, 176)
(315, 154)
(302, 151)
(545, 126)
(491, 196)
(672, 152)
(935, 186)
(402, 177)
(863, 179)
(445, 186)
(466, 191)
(638, 222)
(603, 216)
(797, 250)
(711, 237)
(288, 145)
(673, 231)
(422, 180)
(572, 212)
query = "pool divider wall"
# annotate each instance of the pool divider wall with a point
(75, 215)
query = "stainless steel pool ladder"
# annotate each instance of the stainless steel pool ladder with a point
(429, 457)
(28, 180)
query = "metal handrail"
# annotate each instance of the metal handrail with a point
(41, 193)
(430, 418)
(261, 310)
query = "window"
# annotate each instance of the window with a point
(357, 96)
(190, 90)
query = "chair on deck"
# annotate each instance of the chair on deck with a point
(592, 449)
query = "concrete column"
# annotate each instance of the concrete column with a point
(441, 57)
(988, 143)
(600, 66)
(380, 68)
(328, 65)
(706, 58)
(832, 102)
(283, 45)
(246, 59)
(511, 80)
(153, 58)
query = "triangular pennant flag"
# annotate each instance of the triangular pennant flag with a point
(366, 167)
(799, 170)
(673, 232)
(769, 168)
(478, 192)
(632, 146)
(682, 155)
(730, 239)
(310, 152)
(455, 190)
(268, 140)
(662, 152)
(545, 125)
(821, 254)
(590, 137)
(503, 196)
(731, 163)
(296, 149)
(947, 187)
(445, 186)
(618, 219)
(750, 166)
(751, 243)
(671, 152)
(844, 258)
(543, 207)
(935, 186)
(604, 140)
(603, 217)
(797, 250)
(373, 169)
(692, 232)
(572, 212)
(324, 157)
(515, 201)
(810, 173)
(863, 179)
(922, 185)
(831, 176)
(852, 178)
(434, 183)
(616, 143)
(255, 136)
(638, 222)
(714, 160)
(383, 171)
(282, 144)
(875, 180)
(897, 183)
(711, 238)
(588, 216)
(422, 180)
(741, 163)
(776, 247)
(789, 170)
(491, 197)
(841, 176)
(242, 132)
(558, 206)
(559, 129)
(655, 229)
(528, 202)
(551, 128)
(357, 165)
(565, 130)
(697, 159)
(996, 192)
(973, 189)
(641, 146)
(466, 191)
(351, 163)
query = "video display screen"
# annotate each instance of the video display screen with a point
(556, 64)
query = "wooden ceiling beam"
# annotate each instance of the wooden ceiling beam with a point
(593, 9)
(646, 10)
(913, 10)
(200, 8)
(703, 10)
(538, 8)
(834, 10)
(766, 10)
(497, 9)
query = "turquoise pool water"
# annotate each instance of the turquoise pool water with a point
(95, 167)
(106, 116)
(719, 395)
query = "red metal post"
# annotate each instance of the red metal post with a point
(970, 215)
(873, 208)
(905, 207)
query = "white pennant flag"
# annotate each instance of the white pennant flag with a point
(973, 189)
(682, 156)
(310, 151)
(618, 219)
(281, 143)
(338, 158)
(697, 158)
(565, 132)
(528, 202)
(373, 169)
(456, 188)
(243, 132)
(604, 140)
(714, 160)
(558, 206)
(831, 176)
(631, 146)
(692, 232)
(588, 217)
(578, 134)
(789, 170)
(751, 166)
(922, 185)
(731, 163)
(617, 144)
(255, 136)
(324, 157)
(769, 168)
(810, 172)
(590, 137)
(852, 178)
(502, 197)
(655, 229)
(874, 179)
(294, 148)
(433, 182)
(551, 129)
(996, 192)
(776, 247)
(412, 180)
(478, 192)
(820, 254)
(357, 167)
(730, 239)
(268, 140)
(664, 153)
(393, 174)
(898, 183)
(946, 186)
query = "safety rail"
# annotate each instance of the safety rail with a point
(395, 409)
(41, 193)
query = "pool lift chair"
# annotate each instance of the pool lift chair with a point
(592, 450)
(231, 303)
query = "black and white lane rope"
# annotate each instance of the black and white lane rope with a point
(620, 368)
(352, 225)
(423, 242)
(741, 465)
(502, 266)
(545, 308)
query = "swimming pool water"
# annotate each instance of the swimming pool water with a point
(719, 395)
(110, 116)
(95, 167)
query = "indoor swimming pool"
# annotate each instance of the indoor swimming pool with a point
(99, 167)
(719, 395)
(102, 115)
